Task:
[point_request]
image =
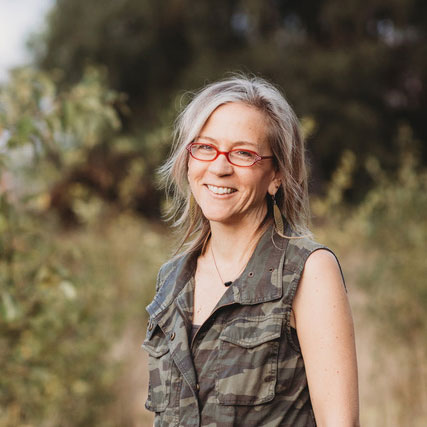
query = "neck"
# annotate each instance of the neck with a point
(233, 244)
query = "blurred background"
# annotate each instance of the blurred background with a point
(88, 94)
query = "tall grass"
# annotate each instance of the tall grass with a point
(382, 243)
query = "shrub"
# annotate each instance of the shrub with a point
(383, 244)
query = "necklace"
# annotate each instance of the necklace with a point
(226, 284)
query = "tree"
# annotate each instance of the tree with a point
(356, 70)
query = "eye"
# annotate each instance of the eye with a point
(202, 147)
(243, 154)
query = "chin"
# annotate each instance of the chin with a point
(217, 216)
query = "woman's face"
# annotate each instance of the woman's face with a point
(227, 193)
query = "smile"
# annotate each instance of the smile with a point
(221, 190)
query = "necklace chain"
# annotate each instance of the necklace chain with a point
(228, 283)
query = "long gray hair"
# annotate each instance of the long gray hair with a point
(284, 137)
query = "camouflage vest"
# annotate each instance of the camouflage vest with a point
(244, 366)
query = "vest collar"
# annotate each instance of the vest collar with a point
(261, 281)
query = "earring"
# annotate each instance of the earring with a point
(278, 219)
(193, 208)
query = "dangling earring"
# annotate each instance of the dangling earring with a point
(278, 219)
(193, 208)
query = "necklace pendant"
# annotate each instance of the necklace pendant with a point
(227, 284)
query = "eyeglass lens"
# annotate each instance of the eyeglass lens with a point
(207, 152)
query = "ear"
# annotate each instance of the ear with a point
(274, 185)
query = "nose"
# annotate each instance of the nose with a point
(221, 165)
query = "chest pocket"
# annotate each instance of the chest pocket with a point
(160, 369)
(247, 360)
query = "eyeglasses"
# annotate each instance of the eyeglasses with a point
(237, 157)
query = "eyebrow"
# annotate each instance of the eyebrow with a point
(252, 144)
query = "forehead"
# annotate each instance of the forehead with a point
(236, 122)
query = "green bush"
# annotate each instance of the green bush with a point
(61, 308)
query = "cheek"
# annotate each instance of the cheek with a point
(190, 170)
(194, 172)
(263, 183)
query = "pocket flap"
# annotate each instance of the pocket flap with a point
(155, 342)
(250, 332)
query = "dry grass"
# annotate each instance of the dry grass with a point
(126, 253)
(392, 375)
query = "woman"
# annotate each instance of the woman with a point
(250, 325)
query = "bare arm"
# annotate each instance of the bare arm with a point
(326, 335)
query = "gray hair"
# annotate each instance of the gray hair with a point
(284, 137)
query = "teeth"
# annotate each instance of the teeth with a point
(221, 190)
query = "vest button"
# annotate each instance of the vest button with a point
(172, 337)
(197, 386)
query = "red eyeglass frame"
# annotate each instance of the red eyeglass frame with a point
(226, 153)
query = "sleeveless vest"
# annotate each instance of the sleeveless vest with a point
(244, 366)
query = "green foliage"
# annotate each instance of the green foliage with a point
(56, 128)
(357, 69)
(60, 308)
(62, 316)
(72, 136)
(53, 367)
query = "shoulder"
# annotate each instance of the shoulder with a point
(321, 281)
(303, 252)
(166, 269)
(298, 250)
(173, 268)
(321, 260)
(316, 266)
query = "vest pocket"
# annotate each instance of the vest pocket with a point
(160, 369)
(247, 360)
